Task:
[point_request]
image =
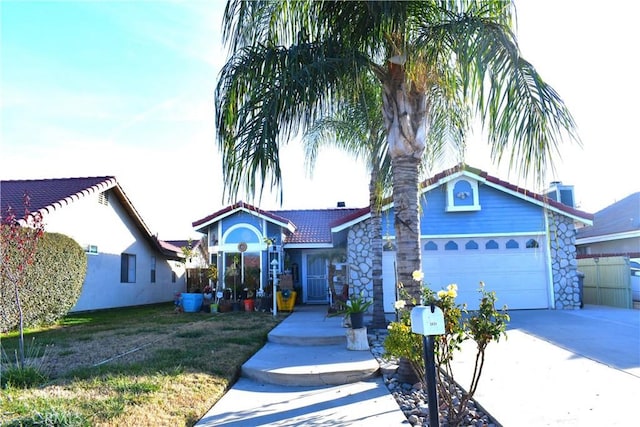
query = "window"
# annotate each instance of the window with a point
(532, 244)
(127, 268)
(491, 244)
(153, 269)
(174, 278)
(91, 250)
(471, 244)
(462, 195)
(451, 246)
(512, 244)
(431, 246)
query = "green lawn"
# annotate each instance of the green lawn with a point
(136, 366)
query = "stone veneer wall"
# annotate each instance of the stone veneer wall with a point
(562, 240)
(562, 244)
(359, 260)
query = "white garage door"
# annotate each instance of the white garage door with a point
(514, 267)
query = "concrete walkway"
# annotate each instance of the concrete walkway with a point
(318, 382)
(570, 368)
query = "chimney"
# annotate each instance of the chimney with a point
(341, 205)
(561, 193)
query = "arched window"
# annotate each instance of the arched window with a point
(532, 244)
(512, 244)
(242, 234)
(470, 245)
(431, 246)
(491, 244)
(451, 246)
(462, 195)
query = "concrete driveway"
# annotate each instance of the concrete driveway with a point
(558, 367)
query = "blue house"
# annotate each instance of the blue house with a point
(474, 228)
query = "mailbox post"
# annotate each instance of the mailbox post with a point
(429, 322)
(274, 265)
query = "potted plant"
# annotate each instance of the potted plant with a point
(355, 307)
(207, 298)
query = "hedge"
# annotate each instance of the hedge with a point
(52, 287)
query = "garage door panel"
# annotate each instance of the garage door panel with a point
(518, 276)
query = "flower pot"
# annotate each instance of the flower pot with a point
(214, 308)
(357, 320)
(225, 307)
(191, 302)
(248, 305)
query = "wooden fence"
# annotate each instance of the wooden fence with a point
(607, 281)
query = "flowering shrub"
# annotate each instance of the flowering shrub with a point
(482, 326)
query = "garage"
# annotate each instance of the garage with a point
(512, 266)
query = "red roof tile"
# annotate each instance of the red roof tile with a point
(314, 225)
(47, 195)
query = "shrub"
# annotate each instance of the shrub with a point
(482, 326)
(52, 284)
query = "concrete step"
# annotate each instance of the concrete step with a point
(315, 329)
(291, 365)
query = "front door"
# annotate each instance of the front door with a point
(317, 285)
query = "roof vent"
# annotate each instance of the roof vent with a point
(341, 204)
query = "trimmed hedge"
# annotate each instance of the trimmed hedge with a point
(53, 283)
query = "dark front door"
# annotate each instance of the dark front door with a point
(317, 285)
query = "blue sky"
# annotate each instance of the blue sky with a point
(126, 88)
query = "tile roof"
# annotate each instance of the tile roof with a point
(523, 192)
(314, 225)
(48, 195)
(620, 217)
(239, 206)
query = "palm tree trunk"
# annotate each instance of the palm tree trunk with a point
(407, 221)
(378, 321)
(405, 110)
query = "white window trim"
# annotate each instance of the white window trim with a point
(451, 207)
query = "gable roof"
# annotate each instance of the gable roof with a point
(523, 193)
(316, 226)
(49, 195)
(621, 219)
(305, 226)
(479, 175)
(241, 206)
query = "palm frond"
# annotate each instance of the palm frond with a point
(267, 94)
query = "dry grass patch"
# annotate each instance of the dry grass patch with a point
(144, 366)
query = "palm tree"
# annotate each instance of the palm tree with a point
(357, 127)
(292, 62)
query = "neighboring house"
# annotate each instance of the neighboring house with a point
(127, 265)
(615, 234)
(474, 227)
(196, 264)
(615, 230)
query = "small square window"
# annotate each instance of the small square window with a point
(91, 249)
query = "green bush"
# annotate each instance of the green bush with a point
(52, 286)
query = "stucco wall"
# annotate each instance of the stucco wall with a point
(110, 229)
